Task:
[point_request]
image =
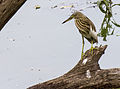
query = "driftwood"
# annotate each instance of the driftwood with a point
(7, 9)
(86, 75)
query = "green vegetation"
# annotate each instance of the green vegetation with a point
(107, 25)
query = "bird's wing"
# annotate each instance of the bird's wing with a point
(86, 28)
(90, 23)
(92, 30)
(83, 26)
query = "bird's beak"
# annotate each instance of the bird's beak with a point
(70, 18)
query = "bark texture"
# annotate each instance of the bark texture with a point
(86, 75)
(7, 9)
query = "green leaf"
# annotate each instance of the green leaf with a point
(112, 32)
(115, 5)
(104, 39)
(100, 4)
(104, 32)
(118, 25)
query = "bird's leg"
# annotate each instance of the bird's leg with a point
(91, 49)
(82, 47)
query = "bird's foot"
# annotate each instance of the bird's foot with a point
(91, 50)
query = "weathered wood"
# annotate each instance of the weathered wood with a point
(7, 9)
(85, 75)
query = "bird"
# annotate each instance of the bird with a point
(85, 27)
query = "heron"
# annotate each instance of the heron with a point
(85, 27)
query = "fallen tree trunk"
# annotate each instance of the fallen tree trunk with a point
(86, 75)
(7, 9)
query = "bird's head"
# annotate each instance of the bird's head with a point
(75, 15)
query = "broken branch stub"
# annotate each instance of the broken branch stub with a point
(89, 61)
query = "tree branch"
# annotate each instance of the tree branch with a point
(85, 75)
(7, 9)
